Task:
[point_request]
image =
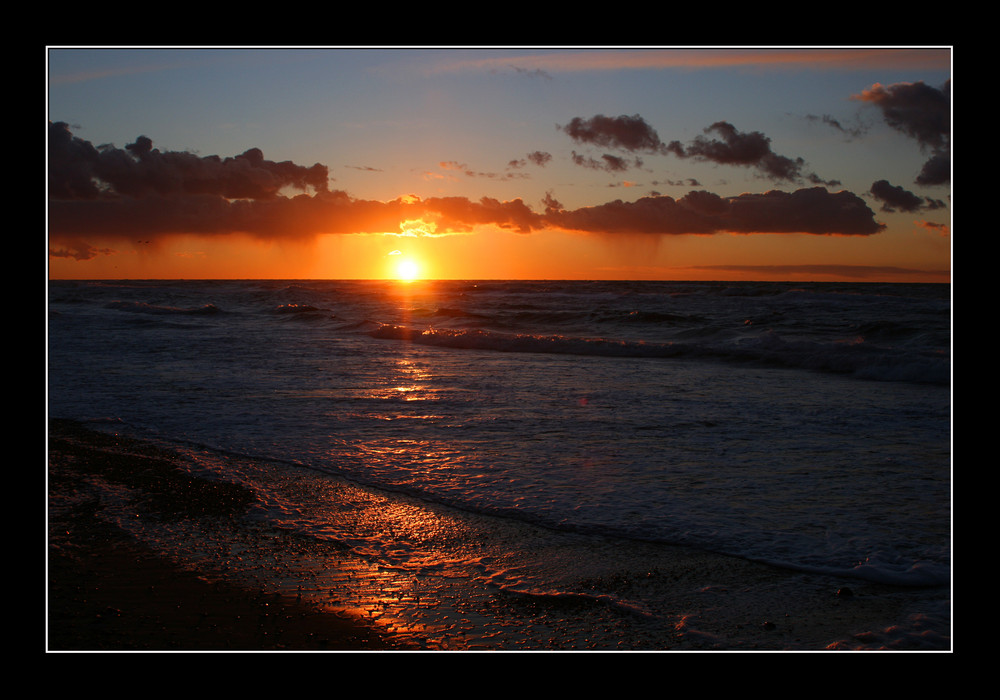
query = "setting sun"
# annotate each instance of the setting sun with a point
(407, 270)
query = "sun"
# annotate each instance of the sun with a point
(407, 270)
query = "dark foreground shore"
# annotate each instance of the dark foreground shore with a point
(108, 592)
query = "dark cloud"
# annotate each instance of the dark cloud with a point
(625, 133)
(91, 203)
(687, 182)
(813, 210)
(539, 158)
(462, 214)
(607, 162)
(77, 170)
(923, 113)
(815, 179)
(895, 198)
(469, 172)
(733, 147)
(552, 205)
(730, 147)
(297, 217)
(915, 109)
(851, 132)
(936, 171)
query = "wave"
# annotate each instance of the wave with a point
(659, 317)
(155, 309)
(524, 318)
(856, 358)
(478, 339)
(303, 312)
(885, 567)
(296, 309)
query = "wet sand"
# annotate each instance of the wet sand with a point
(107, 591)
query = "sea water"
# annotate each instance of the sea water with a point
(804, 425)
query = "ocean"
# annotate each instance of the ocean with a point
(483, 456)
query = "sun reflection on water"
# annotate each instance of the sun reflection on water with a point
(409, 553)
(405, 380)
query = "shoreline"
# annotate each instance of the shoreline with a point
(107, 591)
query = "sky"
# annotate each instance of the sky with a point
(669, 163)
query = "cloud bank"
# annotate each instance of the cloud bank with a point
(98, 194)
(811, 210)
(79, 170)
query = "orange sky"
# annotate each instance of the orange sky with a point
(592, 174)
(502, 255)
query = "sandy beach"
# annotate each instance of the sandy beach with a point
(109, 592)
